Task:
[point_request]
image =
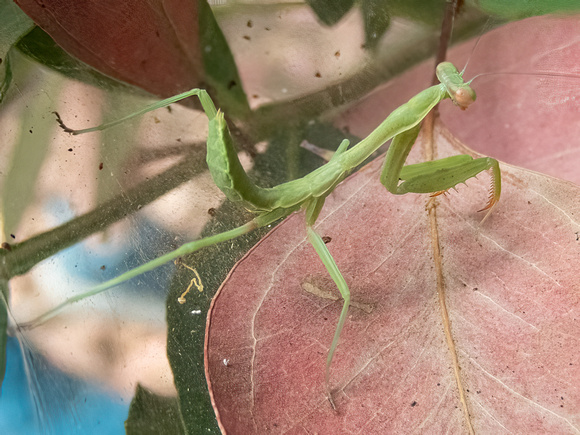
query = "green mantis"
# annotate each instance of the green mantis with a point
(309, 192)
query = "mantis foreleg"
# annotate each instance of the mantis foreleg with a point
(440, 175)
(436, 176)
(204, 98)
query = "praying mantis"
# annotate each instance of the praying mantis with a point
(309, 192)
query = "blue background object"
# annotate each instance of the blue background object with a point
(52, 402)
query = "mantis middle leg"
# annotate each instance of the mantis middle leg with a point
(312, 211)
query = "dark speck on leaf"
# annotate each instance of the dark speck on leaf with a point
(326, 239)
(70, 150)
(231, 84)
(250, 24)
(6, 246)
(13, 236)
(211, 211)
(413, 403)
(318, 75)
(247, 38)
(103, 267)
(101, 166)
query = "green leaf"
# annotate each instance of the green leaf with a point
(219, 64)
(429, 12)
(152, 414)
(13, 25)
(518, 9)
(376, 20)
(330, 11)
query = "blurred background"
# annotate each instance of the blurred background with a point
(78, 210)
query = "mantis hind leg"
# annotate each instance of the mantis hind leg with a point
(340, 282)
(187, 248)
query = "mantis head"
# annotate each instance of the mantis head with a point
(460, 92)
(463, 96)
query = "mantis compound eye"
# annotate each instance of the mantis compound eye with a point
(463, 97)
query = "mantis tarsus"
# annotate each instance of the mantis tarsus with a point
(309, 193)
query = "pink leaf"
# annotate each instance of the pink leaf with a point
(509, 362)
(510, 286)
